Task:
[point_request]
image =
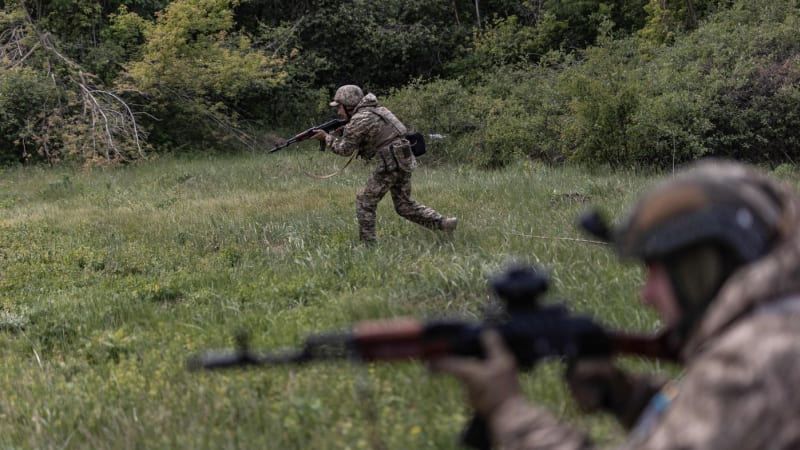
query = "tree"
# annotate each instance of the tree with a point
(52, 108)
(377, 45)
(194, 66)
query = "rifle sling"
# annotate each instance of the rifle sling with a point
(330, 175)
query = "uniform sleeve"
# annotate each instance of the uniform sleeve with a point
(739, 394)
(519, 425)
(353, 139)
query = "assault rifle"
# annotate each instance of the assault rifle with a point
(531, 332)
(328, 126)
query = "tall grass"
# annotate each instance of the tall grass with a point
(110, 280)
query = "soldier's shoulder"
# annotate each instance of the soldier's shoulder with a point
(364, 115)
(761, 341)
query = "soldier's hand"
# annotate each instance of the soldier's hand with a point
(319, 135)
(489, 382)
(597, 384)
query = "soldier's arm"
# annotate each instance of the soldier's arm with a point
(597, 384)
(354, 136)
(519, 425)
(738, 394)
(494, 392)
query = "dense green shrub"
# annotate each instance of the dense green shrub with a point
(22, 92)
(754, 104)
(515, 112)
(194, 67)
(729, 89)
(634, 82)
(438, 108)
(603, 93)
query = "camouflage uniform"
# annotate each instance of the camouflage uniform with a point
(742, 363)
(375, 133)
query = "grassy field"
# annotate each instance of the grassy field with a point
(109, 280)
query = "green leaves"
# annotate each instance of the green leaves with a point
(192, 49)
(197, 68)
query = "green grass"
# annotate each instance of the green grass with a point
(109, 280)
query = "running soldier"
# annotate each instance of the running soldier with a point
(373, 132)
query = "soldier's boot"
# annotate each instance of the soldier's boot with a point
(448, 224)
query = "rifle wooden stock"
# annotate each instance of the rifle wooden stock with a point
(657, 346)
(385, 340)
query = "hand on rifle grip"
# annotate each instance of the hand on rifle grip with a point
(489, 382)
(594, 383)
(319, 135)
(599, 385)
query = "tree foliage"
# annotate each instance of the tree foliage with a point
(51, 108)
(727, 89)
(643, 82)
(194, 66)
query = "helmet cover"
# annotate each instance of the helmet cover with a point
(348, 95)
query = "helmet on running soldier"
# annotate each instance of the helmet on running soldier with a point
(348, 96)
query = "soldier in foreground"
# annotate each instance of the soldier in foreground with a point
(720, 243)
(375, 133)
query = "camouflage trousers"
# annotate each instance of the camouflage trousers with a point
(398, 183)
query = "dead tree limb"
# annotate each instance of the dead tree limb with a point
(110, 123)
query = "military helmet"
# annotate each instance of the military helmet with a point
(348, 95)
(714, 201)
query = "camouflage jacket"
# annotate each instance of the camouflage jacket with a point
(370, 130)
(742, 363)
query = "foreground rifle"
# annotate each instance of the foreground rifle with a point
(530, 331)
(328, 126)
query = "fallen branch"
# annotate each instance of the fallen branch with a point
(105, 121)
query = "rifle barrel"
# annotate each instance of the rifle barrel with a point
(284, 145)
(241, 359)
(303, 135)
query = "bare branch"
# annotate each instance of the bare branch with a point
(110, 122)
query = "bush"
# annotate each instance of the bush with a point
(23, 92)
(514, 112)
(194, 67)
(604, 92)
(440, 108)
(730, 89)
